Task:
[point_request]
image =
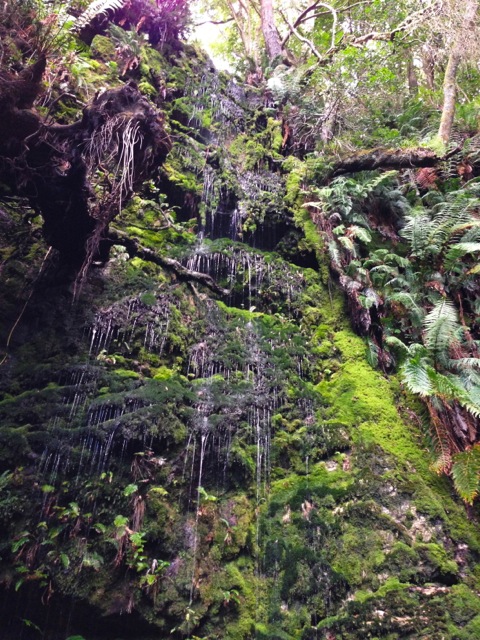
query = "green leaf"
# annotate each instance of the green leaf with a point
(129, 489)
(93, 560)
(137, 539)
(120, 521)
(31, 625)
(23, 539)
(160, 490)
(47, 488)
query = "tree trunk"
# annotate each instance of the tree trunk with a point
(450, 79)
(428, 66)
(271, 36)
(449, 95)
(412, 78)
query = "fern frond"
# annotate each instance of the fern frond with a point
(465, 363)
(400, 348)
(443, 463)
(415, 375)
(392, 341)
(450, 388)
(348, 244)
(382, 180)
(466, 473)
(405, 299)
(372, 353)
(359, 232)
(457, 251)
(94, 9)
(441, 326)
(442, 441)
(446, 387)
(384, 268)
(334, 253)
(418, 231)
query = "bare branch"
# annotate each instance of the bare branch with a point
(303, 17)
(200, 24)
(303, 39)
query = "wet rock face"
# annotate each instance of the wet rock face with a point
(177, 465)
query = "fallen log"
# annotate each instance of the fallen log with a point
(389, 159)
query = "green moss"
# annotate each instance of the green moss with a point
(361, 397)
(103, 48)
(445, 568)
(392, 584)
(247, 152)
(125, 374)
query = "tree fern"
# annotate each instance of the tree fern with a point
(466, 473)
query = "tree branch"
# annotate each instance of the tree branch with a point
(406, 25)
(303, 39)
(303, 17)
(200, 24)
(135, 250)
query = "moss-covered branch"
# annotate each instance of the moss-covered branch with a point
(135, 250)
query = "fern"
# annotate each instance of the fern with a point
(465, 363)
(334, 253)
(348, 244)
(415, 376)
(466, 473)
(457, 251)
(396, 343)
(442, 441)
(372, 353)
(418, 231)
(382, 180)
(361, 233)
(441, 326)
(95, 9)
(408, 301)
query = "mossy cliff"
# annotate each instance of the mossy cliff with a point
(176, 463)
